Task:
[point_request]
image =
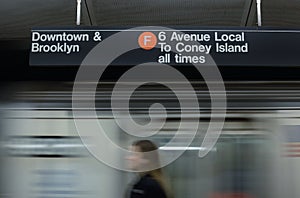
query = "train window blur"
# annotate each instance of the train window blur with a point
(42, 154)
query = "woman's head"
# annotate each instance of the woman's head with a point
(145, 156)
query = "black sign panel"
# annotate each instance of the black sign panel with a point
(235, 47)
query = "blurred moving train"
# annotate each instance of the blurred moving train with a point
(257, 154)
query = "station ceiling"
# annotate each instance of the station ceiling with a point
(19, 16)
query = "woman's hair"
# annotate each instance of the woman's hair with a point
(153, 157)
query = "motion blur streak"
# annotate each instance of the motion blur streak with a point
(257, 155)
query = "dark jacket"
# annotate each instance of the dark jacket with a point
(146, 187)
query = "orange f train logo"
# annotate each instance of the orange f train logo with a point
(147, 40)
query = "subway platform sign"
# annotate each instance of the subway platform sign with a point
(223, 47)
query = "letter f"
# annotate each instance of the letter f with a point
(147, 39)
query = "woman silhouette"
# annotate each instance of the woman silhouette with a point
(150, 181)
